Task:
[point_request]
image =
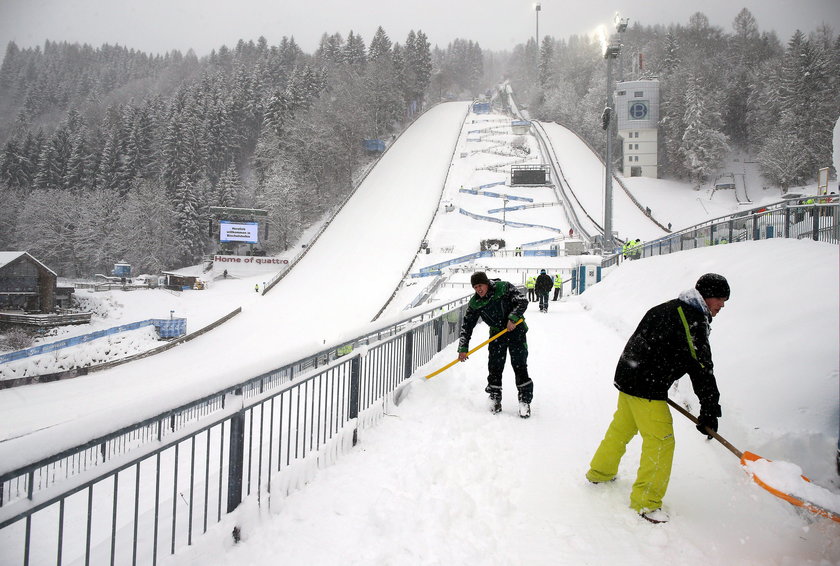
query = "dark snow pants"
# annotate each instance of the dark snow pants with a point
(515, 343)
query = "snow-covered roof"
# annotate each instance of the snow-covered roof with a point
(8, 257)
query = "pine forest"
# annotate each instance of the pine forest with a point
(108, 154)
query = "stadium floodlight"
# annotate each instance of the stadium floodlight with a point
(621, 23)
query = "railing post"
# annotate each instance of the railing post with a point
(236, 458)
(815, 216)
(786, 231)
(355, 365)
(438, 326)
(409, 354)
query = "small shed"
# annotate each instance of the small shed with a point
(481, 107)
(26, 283)
(180, 281)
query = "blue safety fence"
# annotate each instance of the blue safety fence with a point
(540, 242)
(435, 269)
(170, 328)
(167, 328)
(520, 207)
(496, 195)
(507, 222)
(509, 197)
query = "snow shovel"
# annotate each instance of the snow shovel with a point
(456, 360)
(747, 458)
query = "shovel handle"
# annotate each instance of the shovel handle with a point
(456, 360)
(709, 431)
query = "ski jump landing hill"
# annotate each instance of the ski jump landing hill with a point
(333, 292)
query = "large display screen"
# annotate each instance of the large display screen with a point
(247, 232)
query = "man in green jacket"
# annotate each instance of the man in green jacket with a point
(671, 340)
(500, 305)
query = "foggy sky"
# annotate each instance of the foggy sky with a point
(157, 26)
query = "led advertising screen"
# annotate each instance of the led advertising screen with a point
(246, 232)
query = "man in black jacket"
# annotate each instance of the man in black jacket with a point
(671, 340)
(500, 305)
(543, 288)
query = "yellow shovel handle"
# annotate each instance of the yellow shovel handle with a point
(455, 361)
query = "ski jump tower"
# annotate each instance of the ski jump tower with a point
(637, 108)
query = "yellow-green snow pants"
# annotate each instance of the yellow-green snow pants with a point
(652, 419)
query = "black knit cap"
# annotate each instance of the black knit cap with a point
(479, 277)
(713, 285)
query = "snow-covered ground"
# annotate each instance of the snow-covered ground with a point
(441, 481)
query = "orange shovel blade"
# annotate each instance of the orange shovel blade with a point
(750, 457)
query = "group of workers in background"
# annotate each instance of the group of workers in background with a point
(540, 286)
(632, 249)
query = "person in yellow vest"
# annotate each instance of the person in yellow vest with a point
(531, 284)
(558, 287)
(635, 251)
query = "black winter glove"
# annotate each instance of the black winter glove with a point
(705, 421)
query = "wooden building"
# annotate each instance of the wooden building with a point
(26, 284)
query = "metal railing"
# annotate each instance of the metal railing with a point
(788, 219)
(152, 488)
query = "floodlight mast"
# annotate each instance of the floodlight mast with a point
(537, 8)
(612, 52)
